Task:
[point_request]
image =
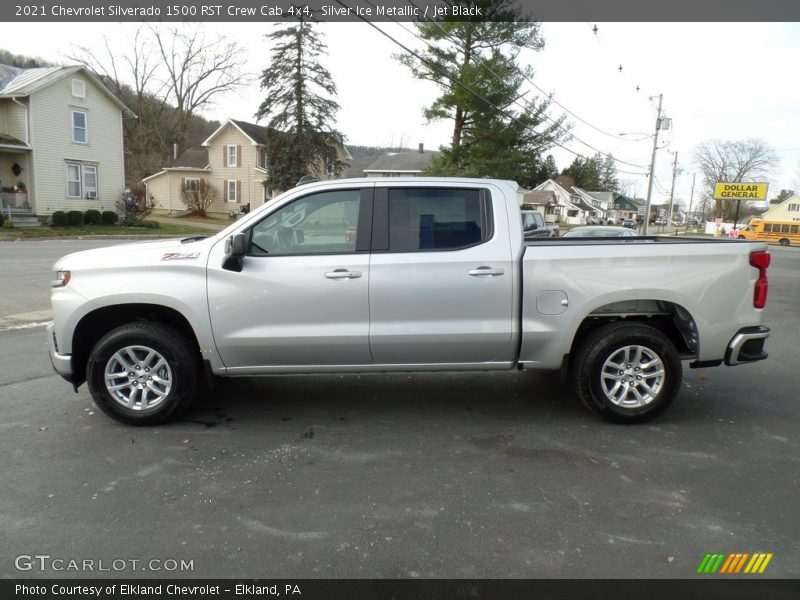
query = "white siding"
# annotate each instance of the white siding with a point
(51, 138)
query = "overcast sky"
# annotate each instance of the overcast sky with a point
(729, 81)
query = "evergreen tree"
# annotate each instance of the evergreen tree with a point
(474, 63)
(609, 182)
(299, 104)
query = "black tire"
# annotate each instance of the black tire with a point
(167, 369)
(593, 370)
(784, 242)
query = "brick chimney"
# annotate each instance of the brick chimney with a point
(421, 148)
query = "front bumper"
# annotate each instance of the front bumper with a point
(62, 363)
(747, 346)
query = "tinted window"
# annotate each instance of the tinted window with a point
(321, 223)
(437, 219)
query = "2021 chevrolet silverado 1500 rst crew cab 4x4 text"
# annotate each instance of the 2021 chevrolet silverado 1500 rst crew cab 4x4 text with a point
(414, 274)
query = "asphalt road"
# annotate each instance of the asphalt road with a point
(406, 476)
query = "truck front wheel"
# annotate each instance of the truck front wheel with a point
(627, 372)
(143, 373)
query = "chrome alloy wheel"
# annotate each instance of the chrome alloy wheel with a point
(139, 378)
(632, 376)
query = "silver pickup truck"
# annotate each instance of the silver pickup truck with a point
(397, 274)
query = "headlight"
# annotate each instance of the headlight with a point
(62, 279)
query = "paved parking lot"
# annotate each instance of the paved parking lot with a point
(404, 476)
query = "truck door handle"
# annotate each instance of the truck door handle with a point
(342, 274)
(485, 272)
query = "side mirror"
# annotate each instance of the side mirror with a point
(235, 249)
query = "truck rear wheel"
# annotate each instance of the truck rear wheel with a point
(143, 373)
(627, 372)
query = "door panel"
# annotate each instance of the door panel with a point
(446, 294)
(302, 295)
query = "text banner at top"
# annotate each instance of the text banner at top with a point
(393, 10)
(740, 190)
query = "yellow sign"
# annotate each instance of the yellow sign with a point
(740, 191)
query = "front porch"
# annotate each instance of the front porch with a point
(20, 216)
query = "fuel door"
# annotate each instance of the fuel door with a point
(551, 302)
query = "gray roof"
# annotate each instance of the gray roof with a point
(602, 196)
(15, 81)
(192, 158)
(544, 198)
(408, 162)
(258, 133)
(9, 140)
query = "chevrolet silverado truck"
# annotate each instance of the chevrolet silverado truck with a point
(417, 274)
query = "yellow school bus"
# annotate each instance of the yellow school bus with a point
(784, 233)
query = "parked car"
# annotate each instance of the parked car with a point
(629, 223)
(600, 231)
(437, 278)
(534, 225)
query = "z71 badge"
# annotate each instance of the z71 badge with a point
(180, 256)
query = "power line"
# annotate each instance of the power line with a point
(483, 64)
(550, 95)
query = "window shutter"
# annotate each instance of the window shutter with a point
(224, 156)
(238, 191)
(238, 156)
(183, 183)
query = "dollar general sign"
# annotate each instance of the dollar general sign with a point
(740, 191)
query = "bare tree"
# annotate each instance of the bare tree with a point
(167, 77)
(198, 196)
(198, 70)
(131, 77)
(744, 160)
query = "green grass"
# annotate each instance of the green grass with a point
(165, 230)
(210, 220)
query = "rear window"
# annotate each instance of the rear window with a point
(429, 219)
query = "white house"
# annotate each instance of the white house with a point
(61, 141)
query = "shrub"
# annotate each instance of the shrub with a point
(92, 217)
(59, 219)
(8, 225)
(75, 218)
(2, 218)
(109, 217)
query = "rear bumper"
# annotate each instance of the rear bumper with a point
(747, 346)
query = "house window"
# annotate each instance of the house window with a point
(90, 181)
(78, 88)
(73, 180)
(80, 132)
(81, 180)
(794, 207)
(231, 190)
(192, 184)
(232, 160)
(262, 158)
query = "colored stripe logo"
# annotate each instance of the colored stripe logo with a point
(735, 563)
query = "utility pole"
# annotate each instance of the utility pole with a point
(691, 197)
(672, 189)
(652, 167)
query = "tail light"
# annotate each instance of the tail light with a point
(760, 260)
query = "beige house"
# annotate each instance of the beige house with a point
(788, 210)
(232, 161)
(61, 142)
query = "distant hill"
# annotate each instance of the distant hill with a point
(23, 62)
